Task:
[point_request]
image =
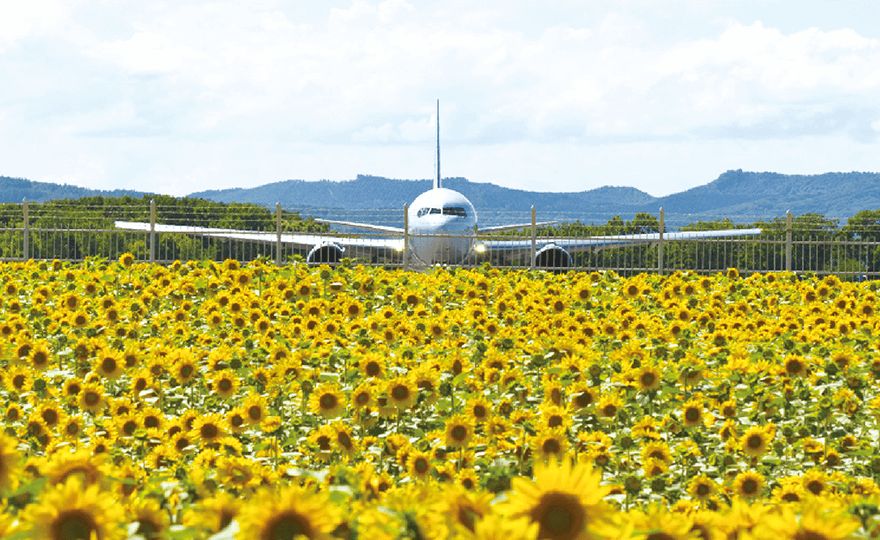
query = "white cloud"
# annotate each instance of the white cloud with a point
(19, 20)
(357, 81)
(148, 52)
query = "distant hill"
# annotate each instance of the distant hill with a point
(15, 190)
(741, 196)
(368, 192)
(738, 193)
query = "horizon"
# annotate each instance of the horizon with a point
(564, 96)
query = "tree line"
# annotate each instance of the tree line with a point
(68, 228)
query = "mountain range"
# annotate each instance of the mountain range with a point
(739, 195)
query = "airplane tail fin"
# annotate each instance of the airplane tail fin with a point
(437, 182)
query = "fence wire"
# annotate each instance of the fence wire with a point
(809, 243)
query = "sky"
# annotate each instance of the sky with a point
(552, 95)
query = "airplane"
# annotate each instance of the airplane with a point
(440, 227)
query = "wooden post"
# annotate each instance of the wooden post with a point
(278, 234)
(152, 230)
(405, 237)
(26, 231)
(788, 241)
(660, 261)
(534, 240)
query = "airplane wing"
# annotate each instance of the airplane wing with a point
(367, 226)
(300, 240)
(498, 228)
(574, 245)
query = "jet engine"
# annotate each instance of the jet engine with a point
(553, 256)
(325, 253)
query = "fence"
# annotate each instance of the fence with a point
(807, 243)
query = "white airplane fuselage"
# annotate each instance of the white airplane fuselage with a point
(442, 227)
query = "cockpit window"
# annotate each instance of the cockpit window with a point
(449, 211)
(454, 211)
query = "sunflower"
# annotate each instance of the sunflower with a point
(209, 428)
(465, 509)
(702, 488)
(327, 401)
(362, 397)
(459, 431)
(419, 465)
(755, 440)
(565, 502)
(749, 484)
(402, 392)
(109, 364)
(91, 398)
(254, 407)
(40, 357)
(225, 384)
(292, 512)
(185, 368)
(549, 443)
(373, 365)
(153, 522)
(693, 412)
(9, 463)
(795, 366)
(74, 511)
(815, 481)
(609, 404)
(659, 523)
(817, 522)
(345, 441)
(649, 378)
(657, 450)
(213, 514)
(582, 396)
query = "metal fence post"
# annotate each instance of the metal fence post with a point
(788, 241)
(152, 230)
(278, 234)
(660, 261)
(534, 240)
(26, 231)
(405, 237)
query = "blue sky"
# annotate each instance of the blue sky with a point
(661, 95)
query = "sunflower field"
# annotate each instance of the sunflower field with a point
(221, 400)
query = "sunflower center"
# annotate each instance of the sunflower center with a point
(703, 490)
(559, 515)
(648, 379)
(750, 487)
(458, 432)
(692, 415)
(74, 525)
(421, 465)
(287, 526)
(660, 536)
(583, 399)
(344, 440)
(807, 534)
(328, 401)
(400, 392)
(551, 446)
(255, 412)
(755, 441)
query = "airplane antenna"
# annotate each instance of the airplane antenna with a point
(437, 181)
